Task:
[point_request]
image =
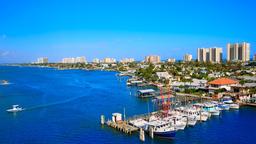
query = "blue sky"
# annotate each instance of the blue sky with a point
(119, 28)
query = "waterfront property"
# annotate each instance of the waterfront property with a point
(146, 93)
(222, 83)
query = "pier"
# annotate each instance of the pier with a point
(122, 126)
(247, 104)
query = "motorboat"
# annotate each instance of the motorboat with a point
(227, 100)
(178, 121)
(162, 129)
(234, 106)
(4, 82)
(211, 108)
(223, 106)
(203, 115)
(15, 108)
(189, 113)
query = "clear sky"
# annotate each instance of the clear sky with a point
(121, 28)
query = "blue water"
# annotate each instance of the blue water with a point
(65, 107)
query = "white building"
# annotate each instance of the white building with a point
(127, 60)
(152, 59)
(187, 58)
(213, 55)
(96, 60)
(80, 60)
(171, 60)
(42, 60)
(238, 52)
(68, 60)
(74, 60)
(109, 60)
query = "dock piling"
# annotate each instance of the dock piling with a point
(151, 132)
(142, 135)
(102, 119)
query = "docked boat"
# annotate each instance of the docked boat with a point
(189, 113)
(178, 121)
(162, 129)
(234, 106)
(227, 100)
(223, 106)
(211, 108)
(15, 108)
(202, 114)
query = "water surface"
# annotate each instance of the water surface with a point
(64, 106)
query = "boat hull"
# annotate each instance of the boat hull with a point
(166, 135)
(215, 113)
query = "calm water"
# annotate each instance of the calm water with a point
(65, 107)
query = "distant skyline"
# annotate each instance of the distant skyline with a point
(119, 29)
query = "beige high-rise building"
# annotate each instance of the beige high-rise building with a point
(80, 60)
(96, 60)
(42, 60)
(127, 60)
(187, 57)
(254, 57)
(238, 52)
(74, 60)
(109, 60)
(171, 60)
(213, 55)
(152, 59)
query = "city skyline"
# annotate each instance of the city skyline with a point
(29, 30)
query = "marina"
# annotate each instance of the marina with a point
(176, 112)
(47, 112)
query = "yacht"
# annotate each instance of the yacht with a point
(223, 106)
(202, 114)
(178, 121)
(15, 108)
(189, 113)
(211, 108)
(162, 129)
(227, 100)
(234, 106)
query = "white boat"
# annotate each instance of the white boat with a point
(162, 129)
(227, 100)
(140, 123)
(191, 120)
(189, 113)
(15, 108)
(223, 106)
(211, 108)
(203, 116)
(4, 82)
(178, 121)
(234, 106)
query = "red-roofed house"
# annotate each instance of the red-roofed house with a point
(222, 83)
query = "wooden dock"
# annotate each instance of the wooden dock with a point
(247, 104)
(122, 126)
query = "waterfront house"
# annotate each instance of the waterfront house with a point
(242, 89)
(221, 83)
(194, 84)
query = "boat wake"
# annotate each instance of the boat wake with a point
(54, 103)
